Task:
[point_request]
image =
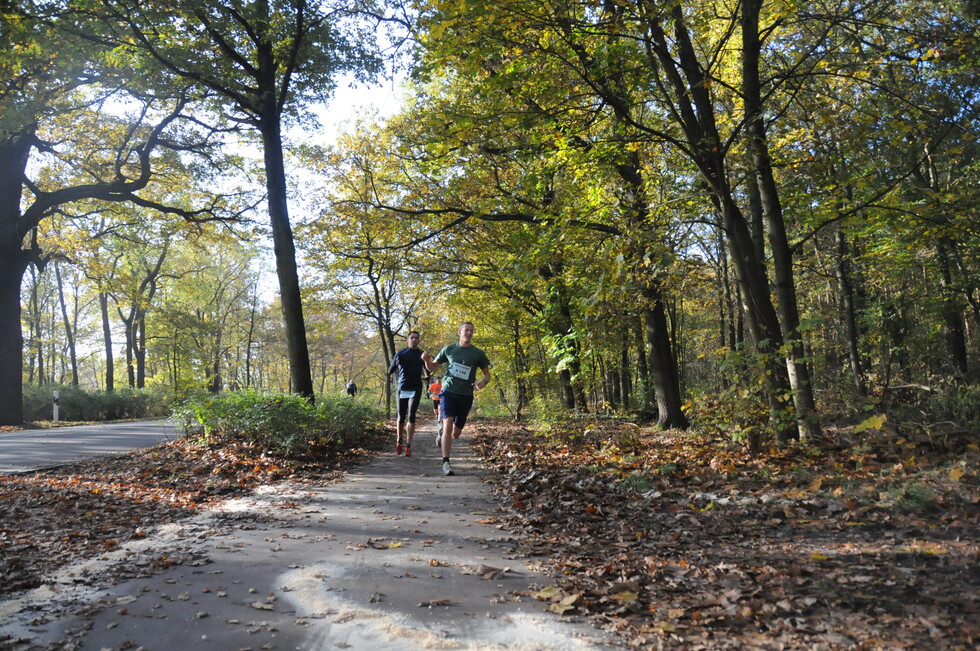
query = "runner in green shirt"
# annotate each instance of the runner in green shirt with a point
(459, 380)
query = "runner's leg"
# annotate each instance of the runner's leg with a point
(401, 425)
(413, 407)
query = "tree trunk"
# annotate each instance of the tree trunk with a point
(849, 309)
(760, 317)
(110, 371)
(663, 367)
(626, 375)
(954, 328)
(696, 112)
(662, 361)
(13, 264)
(251, 335)
(639, 338)
(731, 316)
(612, 381)
(129, 329)
(519, 366)
(215, 385)
(808, 420)
(140, 350)
(300, 374)
(36, 326)
(69, 331)
(14, 150)
(568, 393)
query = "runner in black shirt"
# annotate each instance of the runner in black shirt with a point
(408, 362)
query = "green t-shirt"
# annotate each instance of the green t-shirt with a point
(463, 362)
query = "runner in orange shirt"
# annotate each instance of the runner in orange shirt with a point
(434, 389)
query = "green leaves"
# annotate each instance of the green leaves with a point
(287, 425)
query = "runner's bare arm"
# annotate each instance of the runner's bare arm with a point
(429, 362)
(486, 378)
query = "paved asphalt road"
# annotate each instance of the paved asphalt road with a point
(27, 450)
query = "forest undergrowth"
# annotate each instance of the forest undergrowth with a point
(678, 540)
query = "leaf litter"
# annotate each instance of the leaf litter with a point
(677, 540)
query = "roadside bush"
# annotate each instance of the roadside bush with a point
(285, 425)
(81, 405)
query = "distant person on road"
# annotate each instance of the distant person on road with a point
(459, 380)
(434, 390)
(351, 389)
(409, 366)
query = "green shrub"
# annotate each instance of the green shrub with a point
(82, 405)
(286, 425)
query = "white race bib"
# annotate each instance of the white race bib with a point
(406, 395)
(462, 371)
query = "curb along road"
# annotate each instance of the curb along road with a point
(394, 557)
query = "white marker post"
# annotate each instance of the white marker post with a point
(57, 396)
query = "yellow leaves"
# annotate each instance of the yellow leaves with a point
(561, 602)
(565, 604)
(927, 548)
(956, 474)
(547, 594)
(626, 597)
(874, 422)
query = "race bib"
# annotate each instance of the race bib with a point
(462, 371)
(406, 395)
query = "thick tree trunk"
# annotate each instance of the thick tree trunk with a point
(13, 263)
(663, 367)
(300, 374)
(14, 151)
(612, 382)
(567, 392)
(760, 316)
